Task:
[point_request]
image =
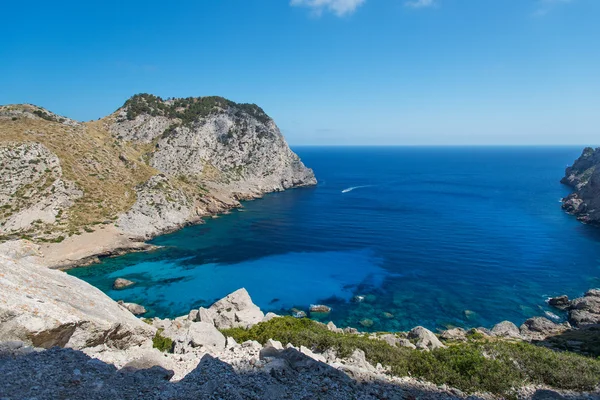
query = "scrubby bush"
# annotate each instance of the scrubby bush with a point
(162, 343)
(478, 365)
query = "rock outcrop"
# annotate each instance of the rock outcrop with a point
(584, 177)
(583, 311)
(151, 167)
(47, 308)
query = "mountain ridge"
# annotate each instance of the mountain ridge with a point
(150, 167)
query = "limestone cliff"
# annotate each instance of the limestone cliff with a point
(151, 167)
(584, 177)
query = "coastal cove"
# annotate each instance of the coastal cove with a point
(429, 236)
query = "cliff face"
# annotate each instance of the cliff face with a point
(151, 167)
(584, 177)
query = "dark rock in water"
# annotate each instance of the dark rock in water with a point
(134, 308)
(561, 302)
(319, 308)
(121, 283)
(296, 313)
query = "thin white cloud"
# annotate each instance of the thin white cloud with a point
(338, 7)
(419, 3)
(545, 6)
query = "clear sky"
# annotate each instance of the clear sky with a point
(328, 71)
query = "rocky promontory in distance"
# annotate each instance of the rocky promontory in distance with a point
(584, 177)
(98, 188)
(61, 337)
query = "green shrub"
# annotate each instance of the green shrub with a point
(491, 366)
(162, 343)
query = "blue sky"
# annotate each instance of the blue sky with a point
(328, 71)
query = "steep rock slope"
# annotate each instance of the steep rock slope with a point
(584, 177)
(47, 308)
(151, 167)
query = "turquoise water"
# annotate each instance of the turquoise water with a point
(430, 236)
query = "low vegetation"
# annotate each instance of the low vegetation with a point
(187, 109)
(162, 343)
(478, 365)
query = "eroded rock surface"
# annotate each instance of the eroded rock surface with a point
(47, 308)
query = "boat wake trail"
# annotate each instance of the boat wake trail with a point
(355, 187)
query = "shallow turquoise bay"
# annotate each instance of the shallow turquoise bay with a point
(431, 236)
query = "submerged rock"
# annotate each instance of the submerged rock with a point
(122, 283)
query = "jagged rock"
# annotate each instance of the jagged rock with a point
(592, 293)
(311, 354)
(401, 342)
(193, 316)
(350, 330)
(389, 338)
(236, 310)
(506, 329)
(205, 335)
(271, 349)
(539, 328)
(133, 308)
(584, 177)
(585, 310)
(269, 316)
(456, 334)
(331, 326)
(151, 359)
(206, 315)
(47, 308)
(122, 283)
(33, 172)
(561, 302)
(425, 339)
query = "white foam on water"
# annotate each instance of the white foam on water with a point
(355, 187)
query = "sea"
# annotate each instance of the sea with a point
(390, 238)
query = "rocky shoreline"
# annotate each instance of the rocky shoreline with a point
(41, 309)
(584, 177)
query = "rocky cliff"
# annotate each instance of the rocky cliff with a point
(584, 177)
(151, 167)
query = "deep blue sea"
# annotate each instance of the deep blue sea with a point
(430, 236)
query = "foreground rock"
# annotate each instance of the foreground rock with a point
(236, 310)
(540, 328)
(425, 339)
(47, 308)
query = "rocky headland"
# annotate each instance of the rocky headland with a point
(62, 338)
(88, 189)
(584, 177)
